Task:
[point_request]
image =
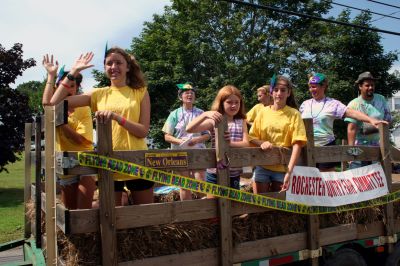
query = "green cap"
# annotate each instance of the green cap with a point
(185, 86)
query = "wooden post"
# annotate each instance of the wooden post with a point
(38, 182)
(387, 168)
(27, 187)
(51, 234)
(224, 205)
(312, 220)
(106, 198)
(343, 164)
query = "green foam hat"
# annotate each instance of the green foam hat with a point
(185, 86)
(317, 78)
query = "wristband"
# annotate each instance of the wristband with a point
(122, 121)
(67, 87)
(71, 77)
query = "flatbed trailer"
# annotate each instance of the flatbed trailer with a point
(359, 243)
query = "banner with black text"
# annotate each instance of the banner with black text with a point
(311, 187)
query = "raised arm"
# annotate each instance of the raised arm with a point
(203, 122)
(51, 67)
(363, 117)
(83, 62)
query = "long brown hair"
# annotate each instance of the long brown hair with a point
(290, 101)
(134, 77)
(222, 95)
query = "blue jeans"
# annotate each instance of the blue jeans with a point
(262, 175)
(234, 180)
(358, 164)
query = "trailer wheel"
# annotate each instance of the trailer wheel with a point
(394, 257)
(346, 257)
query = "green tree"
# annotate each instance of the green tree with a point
(34, 91)
(342, 53)
(211, 44)
(13, 109)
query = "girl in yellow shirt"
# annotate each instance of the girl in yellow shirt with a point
(126, 103)
(278, 125)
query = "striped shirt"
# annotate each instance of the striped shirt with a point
(235, 129)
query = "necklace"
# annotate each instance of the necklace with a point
(312, 101)
(190, 117)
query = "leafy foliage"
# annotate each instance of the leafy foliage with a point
(34, 91)
(14, 108)
(214, 43)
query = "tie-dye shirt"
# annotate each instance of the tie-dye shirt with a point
(323, 113)
(376, 108)
(176, 125)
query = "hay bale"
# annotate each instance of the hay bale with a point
(154, 241)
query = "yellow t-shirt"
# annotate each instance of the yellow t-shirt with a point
(282, 128)
(251, 115)
(126, 102)
(81, 122)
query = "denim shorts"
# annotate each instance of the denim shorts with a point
(234, 180)
(262, 175)
(358, 164)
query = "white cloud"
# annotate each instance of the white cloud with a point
(67, 29)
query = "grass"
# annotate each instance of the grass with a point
(12, 202)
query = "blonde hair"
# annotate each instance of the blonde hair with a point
(263, 88)
(222, 95)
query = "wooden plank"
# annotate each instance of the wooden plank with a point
(202, 257)
(395, 154)
(87, 221)
(337, 234)
(42, 201)
(387, 168)
(83, 221)
(252, 250)
(269, 247)
(339, 153)
(164, 213)
(61, 113)
(42, 125)
(38, 166)
(106, 198)
(42, 158)
(370, 230)
(312, 220)
(27, 182)
(222, 155)
(51, 234)
(204, 158)
(63, 219)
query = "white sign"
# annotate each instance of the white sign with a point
(311, 187)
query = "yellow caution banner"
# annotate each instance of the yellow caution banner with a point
(171, 179)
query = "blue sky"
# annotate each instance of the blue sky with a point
(74, 27)
(389, 42)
